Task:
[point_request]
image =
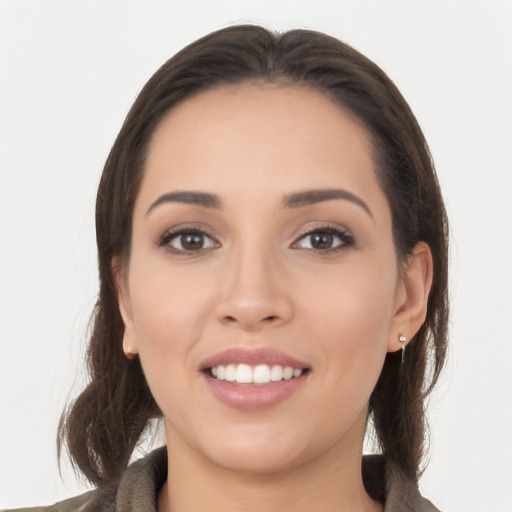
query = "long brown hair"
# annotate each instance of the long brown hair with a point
(105, 423)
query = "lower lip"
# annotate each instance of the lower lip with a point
(253, 397)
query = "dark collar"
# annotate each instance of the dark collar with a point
(387, 483)
(139, 487)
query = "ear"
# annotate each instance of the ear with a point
(120, 272)
(411, 296)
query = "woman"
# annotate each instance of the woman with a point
(273, 266)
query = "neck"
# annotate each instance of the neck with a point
(331, 483)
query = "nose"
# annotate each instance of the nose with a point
(255, 294)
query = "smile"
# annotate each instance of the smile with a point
(253, 379)
(261, 374)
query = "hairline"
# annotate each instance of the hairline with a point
(278, 81)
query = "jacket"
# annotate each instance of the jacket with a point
(138, 489)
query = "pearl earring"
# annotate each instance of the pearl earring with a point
(129, 353)
(402, 340)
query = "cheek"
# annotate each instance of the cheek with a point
(354, 299)
(349, 313)
(169, 311)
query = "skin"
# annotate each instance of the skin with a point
(258, 282)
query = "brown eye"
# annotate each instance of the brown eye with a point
(187, 241)
(325, 239)
(321, 241)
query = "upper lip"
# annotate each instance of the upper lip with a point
(252, 357)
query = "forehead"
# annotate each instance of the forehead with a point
(259, 138)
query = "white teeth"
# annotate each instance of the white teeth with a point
(244, 374)
(230, 373)
(261, 374)
(276, 373)
(288, 373)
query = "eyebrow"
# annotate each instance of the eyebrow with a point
(295, 200)
(188, 197)
(309, 197)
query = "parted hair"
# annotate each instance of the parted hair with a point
(105, 423)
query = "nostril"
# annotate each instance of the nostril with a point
(229, 319)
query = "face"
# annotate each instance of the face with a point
(263, 286)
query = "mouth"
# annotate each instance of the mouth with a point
(253, 379)
(261, 374)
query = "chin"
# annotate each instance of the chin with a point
(263, 450)
(257, 459)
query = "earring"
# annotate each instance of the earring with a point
(402, 340)
(129, 353)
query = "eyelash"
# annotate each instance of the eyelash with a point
(343, 236)
(165, 240)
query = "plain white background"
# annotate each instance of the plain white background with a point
(69, 70)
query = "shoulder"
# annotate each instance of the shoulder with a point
(97, 500)
(76, 504)
(386, 482)
(137, 490)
